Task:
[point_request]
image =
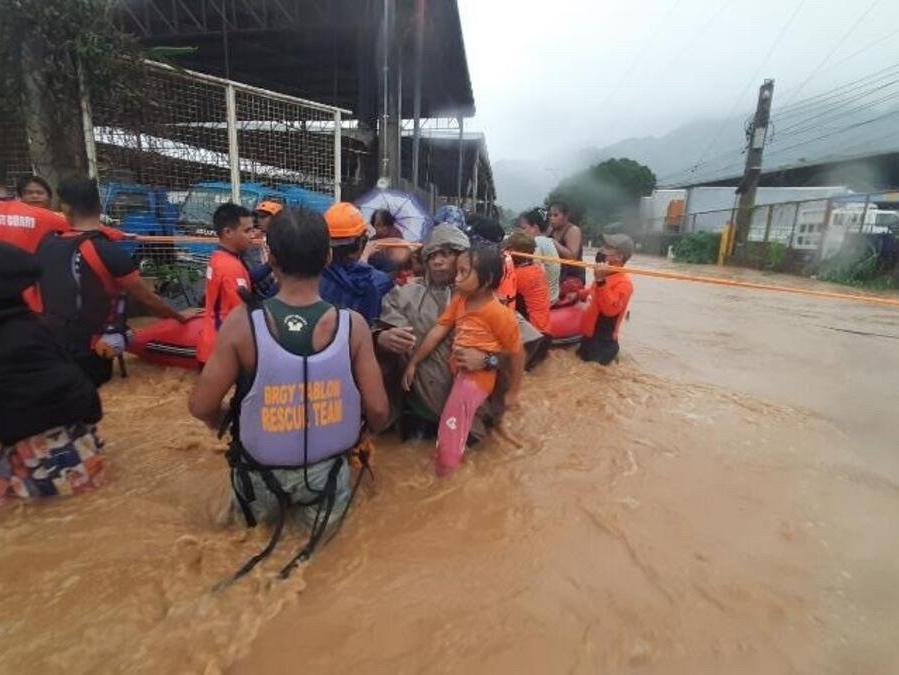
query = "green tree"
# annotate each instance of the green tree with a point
(52, 52)
(604, 193)
(506, 217)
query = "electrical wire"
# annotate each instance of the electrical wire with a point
(833, 51)
(852, 88)
(780, 35)
(834, 115)
(870, 45)
(837, 131)
(823, 110)
(711, 161)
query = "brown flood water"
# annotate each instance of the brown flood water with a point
(723, 500)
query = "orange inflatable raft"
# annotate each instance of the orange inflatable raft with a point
(168, 343)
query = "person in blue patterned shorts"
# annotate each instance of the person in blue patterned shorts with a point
(48, 438)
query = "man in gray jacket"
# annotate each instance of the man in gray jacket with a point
(407, 314)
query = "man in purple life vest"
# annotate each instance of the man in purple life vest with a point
(307, 381)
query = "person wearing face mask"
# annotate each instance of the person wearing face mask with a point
(608, 301)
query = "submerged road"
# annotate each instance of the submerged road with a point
(722, 500)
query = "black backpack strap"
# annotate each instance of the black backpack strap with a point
(326, 499)
(244, 494)
(283, 502)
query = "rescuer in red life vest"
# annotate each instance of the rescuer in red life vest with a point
(226, 273)
(24, 225)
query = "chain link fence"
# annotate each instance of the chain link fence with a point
(187, 142)
(799, 235)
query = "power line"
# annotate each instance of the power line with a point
(825, 98)
(752, 80)
(828, 116)
(828, 108)
(726, 156)
(717, 173)
(868, 46)
(833, 51)
(836, 132)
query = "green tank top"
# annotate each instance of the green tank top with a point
(295, 325)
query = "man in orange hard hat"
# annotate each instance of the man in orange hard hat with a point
(347, 281)
(265, 212)
(264, 283)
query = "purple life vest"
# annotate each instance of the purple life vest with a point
(300, 410)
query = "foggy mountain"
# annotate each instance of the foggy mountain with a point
(717, 147)
(523, 183)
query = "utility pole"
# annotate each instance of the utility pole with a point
(416, 105)
(386, 148)
(756, 135)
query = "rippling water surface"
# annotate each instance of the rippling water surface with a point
(649, 519)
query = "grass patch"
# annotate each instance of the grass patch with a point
(700, 248)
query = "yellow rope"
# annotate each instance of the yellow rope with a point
(660, 274)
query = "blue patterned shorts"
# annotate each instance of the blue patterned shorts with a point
(61, 461)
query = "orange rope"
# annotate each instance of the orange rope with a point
(396, 244)
(160, 239)
(830, 295)
(890, 302)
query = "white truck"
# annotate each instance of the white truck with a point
(853, 218)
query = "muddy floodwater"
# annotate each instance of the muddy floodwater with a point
(724, 500)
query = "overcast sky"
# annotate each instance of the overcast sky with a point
(549, 76)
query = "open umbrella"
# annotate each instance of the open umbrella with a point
(411, 217)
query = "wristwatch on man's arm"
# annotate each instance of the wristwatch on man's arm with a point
(491, 362)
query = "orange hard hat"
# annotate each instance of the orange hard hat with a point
(269, 207)
(345, 221)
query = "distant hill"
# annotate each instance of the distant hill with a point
(523, 183)
(837, 135)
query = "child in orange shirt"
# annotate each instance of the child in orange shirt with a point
(480, 321)
(531, 285)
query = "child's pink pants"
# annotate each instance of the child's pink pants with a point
(464, 400)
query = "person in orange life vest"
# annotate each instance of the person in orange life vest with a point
(226, 274)
(608, 300)
(85, 280)
(531, 285)
(24, 226)
(507, 290)
(34, 191)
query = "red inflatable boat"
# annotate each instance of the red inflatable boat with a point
(168, 343)
(565, 324)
